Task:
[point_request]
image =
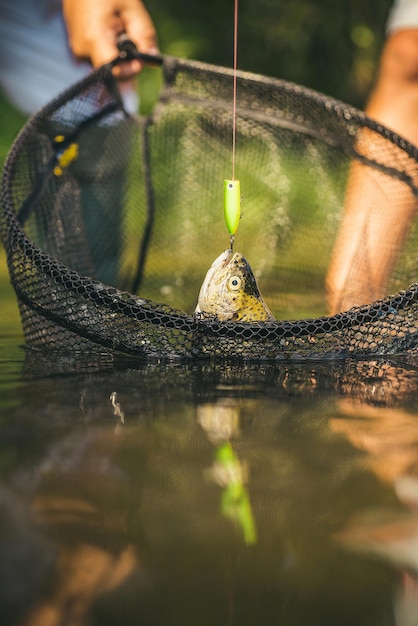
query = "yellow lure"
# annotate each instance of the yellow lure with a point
(232, 205)
(66, 157)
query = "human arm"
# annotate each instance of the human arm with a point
(378, 209)
(93, 26)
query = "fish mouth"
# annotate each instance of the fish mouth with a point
(221, 262)
(223, 259)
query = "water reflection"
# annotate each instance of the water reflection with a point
(389, 435)
(172, 494)
(220, 421)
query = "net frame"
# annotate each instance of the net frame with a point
(65, 310)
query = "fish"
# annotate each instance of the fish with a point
(230, 292)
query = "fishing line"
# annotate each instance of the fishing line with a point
(232, 194)
(234, 98)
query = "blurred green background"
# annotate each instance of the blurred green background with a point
(332, 46)
(329, 45)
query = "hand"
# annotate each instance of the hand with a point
(93, 26)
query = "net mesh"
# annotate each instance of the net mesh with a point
(110, 221)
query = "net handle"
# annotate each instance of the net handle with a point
(128, 51)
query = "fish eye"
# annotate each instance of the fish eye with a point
(235, 283)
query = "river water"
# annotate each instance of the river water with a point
(167, 493)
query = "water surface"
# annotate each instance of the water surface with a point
(213, 493)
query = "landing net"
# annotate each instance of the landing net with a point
(110, 221)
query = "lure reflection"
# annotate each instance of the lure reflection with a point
(231, 474)
(220, 423)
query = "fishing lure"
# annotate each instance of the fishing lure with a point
(65, 156)
(232, 205)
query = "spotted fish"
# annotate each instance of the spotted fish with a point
(230, 293)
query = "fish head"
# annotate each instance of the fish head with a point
(230, 292)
